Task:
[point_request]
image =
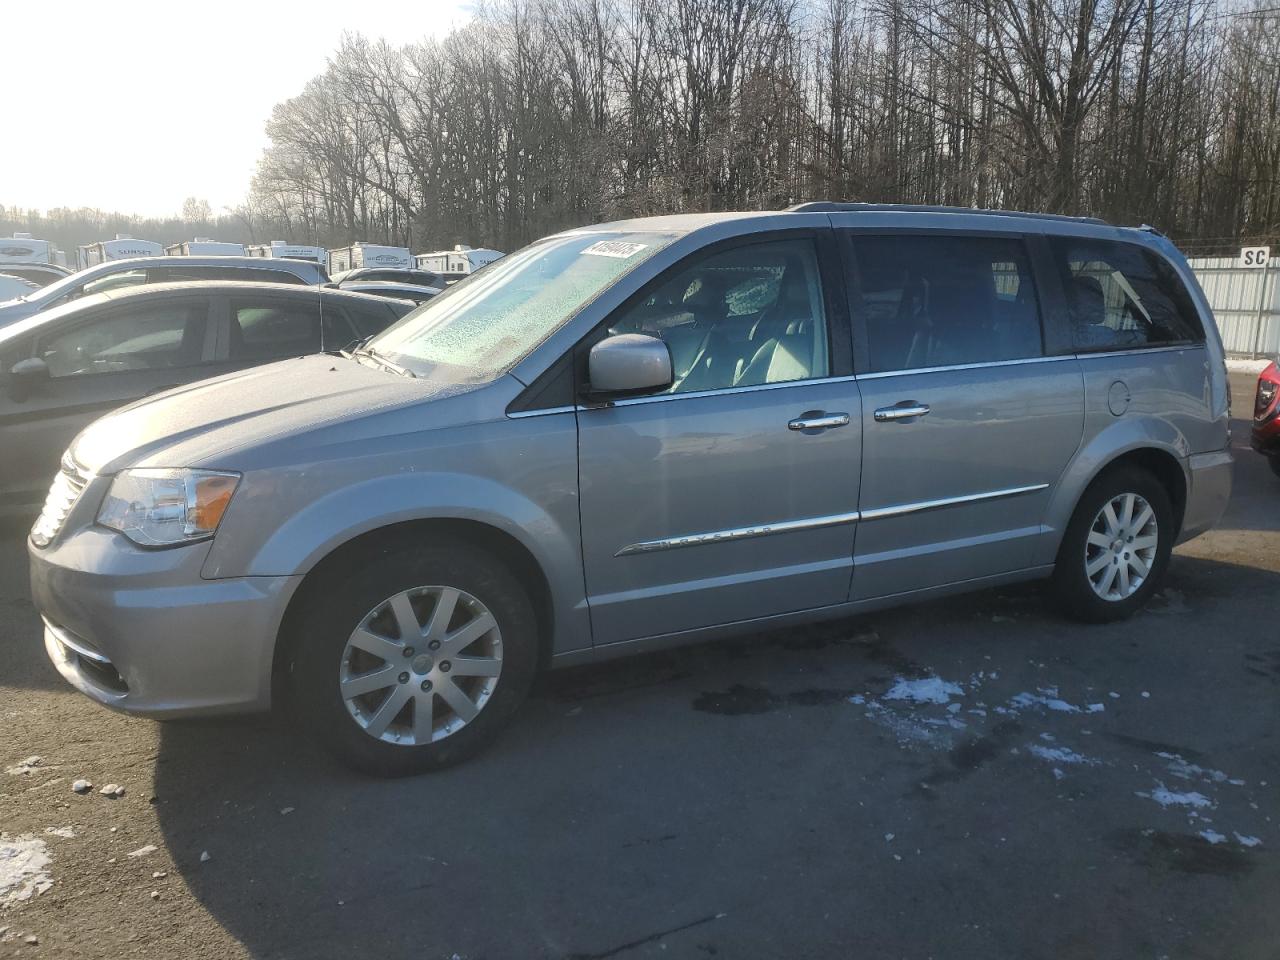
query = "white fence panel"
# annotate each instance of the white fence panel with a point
(1234, 293)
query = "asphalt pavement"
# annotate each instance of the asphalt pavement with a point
(974, 777)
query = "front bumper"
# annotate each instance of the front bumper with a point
(1265, 437)
(140, 631)
(1208, 492)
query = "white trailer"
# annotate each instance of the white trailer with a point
(24, 248)
(457, 263)
(361, 255)
(121, 248)
(204, 247)
(287, 251)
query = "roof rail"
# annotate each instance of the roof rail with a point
(829, 206)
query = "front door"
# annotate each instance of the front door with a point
(96, 364)
(732, 496)
(967, 423)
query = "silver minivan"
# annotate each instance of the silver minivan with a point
(635, 435)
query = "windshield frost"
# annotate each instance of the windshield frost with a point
(486, 323)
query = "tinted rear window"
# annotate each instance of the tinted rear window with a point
(1123, 296)
(934, 301)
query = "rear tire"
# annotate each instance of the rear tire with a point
(1116, 548)
(389, 689)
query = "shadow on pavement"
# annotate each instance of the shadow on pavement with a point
(626, 808)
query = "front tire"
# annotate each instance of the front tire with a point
(414, 657)
(1116, 548)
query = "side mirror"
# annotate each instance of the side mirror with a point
(628, 363)
(24, 375)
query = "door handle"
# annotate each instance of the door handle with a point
(817, 420)
(906, 410)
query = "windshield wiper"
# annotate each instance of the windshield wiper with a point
(381, 361)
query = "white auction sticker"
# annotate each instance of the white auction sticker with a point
(619, 249)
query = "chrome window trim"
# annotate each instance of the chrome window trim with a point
(881, 374)
(539, 412)
(1134, 351)
(656, 398)
(738, 533)
(881, 513)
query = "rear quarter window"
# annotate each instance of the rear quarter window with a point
(1122, 296)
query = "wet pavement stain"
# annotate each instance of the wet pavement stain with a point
(1264, 665)
(880, 651)
(1183, 852)
(967, 757)
(1155, 746)
(740, 700)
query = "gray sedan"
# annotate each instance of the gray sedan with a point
(63, 368)
(137, 271)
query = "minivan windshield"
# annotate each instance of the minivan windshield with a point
(481, 326)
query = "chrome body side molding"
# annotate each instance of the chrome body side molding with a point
(739, 533)
(814, 523)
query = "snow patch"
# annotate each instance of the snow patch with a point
(1213, 836)
(1045, 697)
(1242, 365)
(1184, 770)
(1061, 755)
(65, 832)
(24, 863)
(1247, 841)
(927, 690)
(1171, 798)
(909, 731)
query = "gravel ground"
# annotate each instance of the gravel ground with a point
(968, 778)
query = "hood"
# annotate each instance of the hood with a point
(198, 424)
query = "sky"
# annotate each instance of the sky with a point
(133, 108)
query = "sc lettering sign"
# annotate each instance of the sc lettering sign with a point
(1255, 256)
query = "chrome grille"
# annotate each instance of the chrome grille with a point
(65, 491)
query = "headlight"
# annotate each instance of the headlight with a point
(159, 508)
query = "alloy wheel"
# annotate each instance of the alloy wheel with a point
(1121, 547)
(421, 665)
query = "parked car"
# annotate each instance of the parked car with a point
(636, 435)
(12, 287)
(63, 367)
(383, 288)
(1266, 416)
(422, 278)
(121, 273)
(41, 274)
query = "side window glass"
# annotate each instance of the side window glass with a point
(1122, 296)
(266, 276)
(273, 329)
(936, 301)
(337, 329)
(369, 319)
(744, 317)
(148, 337)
